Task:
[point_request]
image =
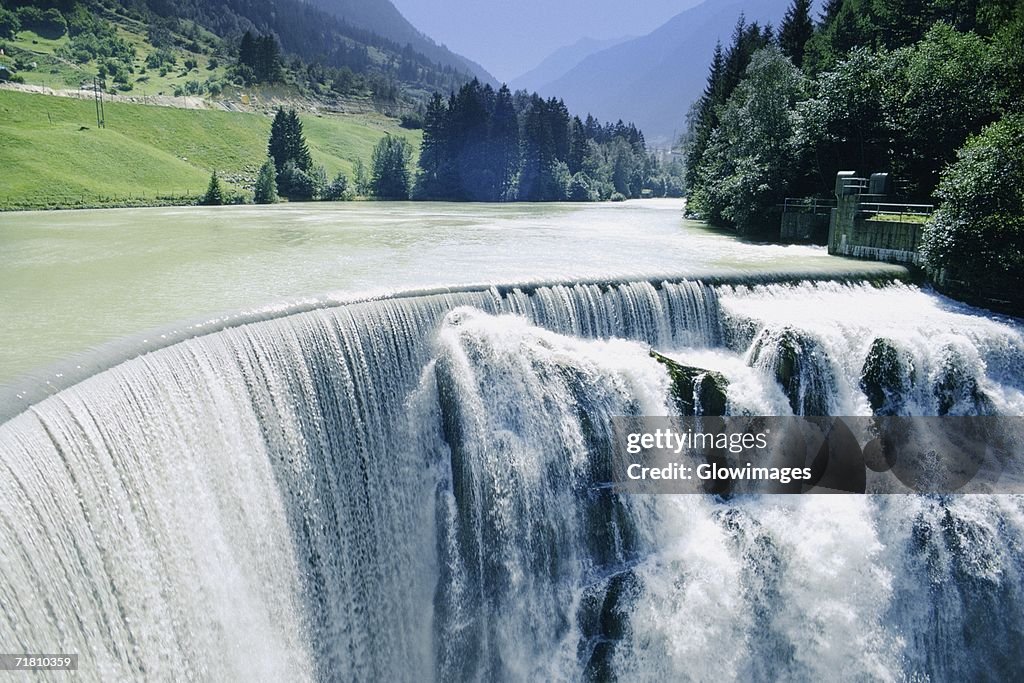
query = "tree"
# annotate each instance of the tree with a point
(298, 150)
(844, 125)
(214, 195)
(432, 180)
(265, 191)
(829, 11)
(796, 29)
(703, 116)
(9, 23)
(504, 145)
(277, 147)
(288, 144)
(362, 178)
(941, 90)
(754, 155)
(48, 23)
(295, 183)
(976, 238)
(390, 168)
(259, 59)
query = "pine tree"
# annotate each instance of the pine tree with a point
(298, 150)
(247, 51)
(265, 191)
(277, 147)
(433, 150)
(704, 116)
(829, 11)
(504, 137)
(796, 29)
(214, 195)
(267, 60)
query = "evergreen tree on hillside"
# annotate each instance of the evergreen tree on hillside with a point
(796, 29)
(259, 59)
(247, 50)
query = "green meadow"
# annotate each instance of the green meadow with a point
(53, 155)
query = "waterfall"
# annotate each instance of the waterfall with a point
(416, 487)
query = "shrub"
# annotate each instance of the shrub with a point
(338, 189)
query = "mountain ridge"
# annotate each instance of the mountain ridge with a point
(562, 60)
(386, 20)
(652, 80)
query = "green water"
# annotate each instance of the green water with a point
(70, 281)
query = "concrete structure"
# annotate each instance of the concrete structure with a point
(864, 225)
(806, 220)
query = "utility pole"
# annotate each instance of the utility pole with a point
(96, 99)
(103, 115)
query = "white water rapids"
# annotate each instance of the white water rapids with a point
(411, 489)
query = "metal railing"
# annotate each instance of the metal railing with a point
(917, 211)
(859, 184)
(811, 205)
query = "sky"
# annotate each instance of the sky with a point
(510, 37)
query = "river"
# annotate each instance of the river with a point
(416, 487)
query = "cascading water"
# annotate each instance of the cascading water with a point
(417, 488)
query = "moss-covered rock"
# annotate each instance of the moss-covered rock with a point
(696, 391)
(956, 387)
(801, 367)
(886, 377)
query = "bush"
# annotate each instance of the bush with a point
(618, 197)
(337, 189)
(975, 241)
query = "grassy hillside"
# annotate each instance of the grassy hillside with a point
(53, 155)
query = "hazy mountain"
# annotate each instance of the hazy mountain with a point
(384, 19)
(652, 80)
(561, 61)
